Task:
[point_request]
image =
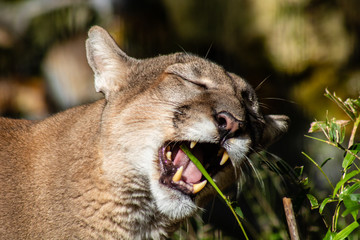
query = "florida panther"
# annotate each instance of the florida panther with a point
(113, 169)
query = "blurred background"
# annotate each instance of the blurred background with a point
(289, 50)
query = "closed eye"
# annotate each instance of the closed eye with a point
(197, 83)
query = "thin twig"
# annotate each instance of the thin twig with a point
(290, 218)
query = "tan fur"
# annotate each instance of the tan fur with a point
(92, 172)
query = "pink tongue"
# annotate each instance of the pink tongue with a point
(191, 173)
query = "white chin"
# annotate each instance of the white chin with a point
(172, 203)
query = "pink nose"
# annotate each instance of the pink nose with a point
(227, 122)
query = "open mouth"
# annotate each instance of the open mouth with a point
(180, 173)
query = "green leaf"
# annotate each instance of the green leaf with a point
(337, 130)
(332, 133)
(350, 189)
(354, 105)
(350, 156)
(343, 181)
(304, 181)
(340, 103)
(346, 231)
(317, 165)
(317, 126)
(313, 201)
(353, 210)
(323, 204)
(329, 235)
(350, 204)
(342, 135)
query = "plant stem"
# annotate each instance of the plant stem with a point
(317, 165)
(335, 217)
(337, 145)
(353, 132)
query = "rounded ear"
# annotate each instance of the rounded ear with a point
(275, 127)
(108, 62)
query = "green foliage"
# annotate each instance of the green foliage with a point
(345, 194)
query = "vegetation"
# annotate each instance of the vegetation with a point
(345, 193)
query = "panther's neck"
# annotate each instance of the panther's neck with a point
(130, 213)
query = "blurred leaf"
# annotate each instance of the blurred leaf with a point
(354, 105)
(337, 130)
(349, 158)
(346, 231)
(239, 212)
(299, 170)
(343, 181)
(333, 132)
(354, 210)
(355, 197)
(313, 201)
(351, 205)
(304, 181)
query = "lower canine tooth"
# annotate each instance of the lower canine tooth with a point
(192, 144)
(178, 174)
(224, 158)
(168, 155)
(199, 186)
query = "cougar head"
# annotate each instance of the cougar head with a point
(156, 105)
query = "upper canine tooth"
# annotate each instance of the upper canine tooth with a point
(178, 174)
(224, 158)
(192, 144)
(199, 186)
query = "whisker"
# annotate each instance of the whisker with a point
(182, 49)
(263, 105)
(289, 170)
(240, 183)
(208, 51)
(269, 164)
(258, 177)
(262, 82)
(279, 99)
